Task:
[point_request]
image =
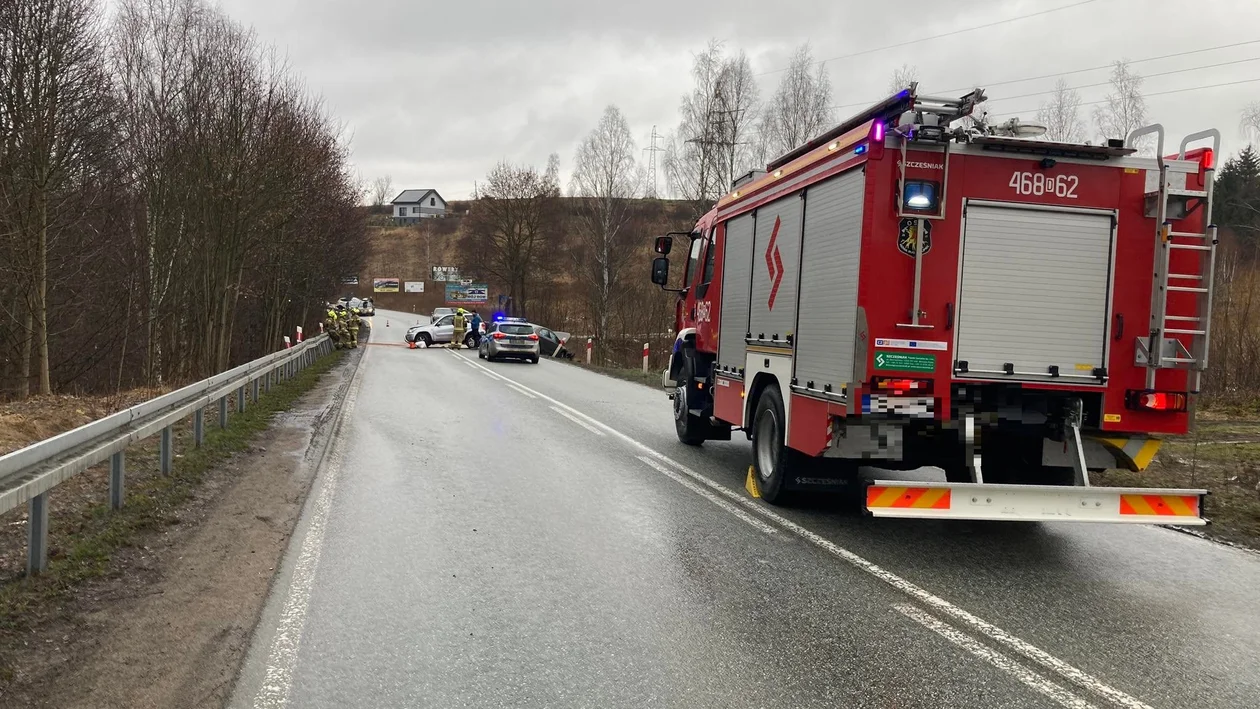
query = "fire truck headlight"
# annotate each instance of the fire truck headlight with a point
(920, 196)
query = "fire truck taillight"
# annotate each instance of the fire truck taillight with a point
(1148, 400)
(877, 132)
(898, 386)
(1209, 159)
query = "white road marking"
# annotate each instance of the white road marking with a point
(518, 388)
(282, 658)
(1026, 649)
(708, 495)
(578, 421)
(995, 658)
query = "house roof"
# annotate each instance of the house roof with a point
(415, 196)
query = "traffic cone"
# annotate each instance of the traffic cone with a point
(411, 345)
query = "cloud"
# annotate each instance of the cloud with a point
(436, 93)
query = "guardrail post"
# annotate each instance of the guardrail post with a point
(256, 383)
(240, 399)
(165, 452)
(267, 382)
(117, 468)
(223, 411)
(37, 541)
(199, 426)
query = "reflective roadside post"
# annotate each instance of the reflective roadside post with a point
(588, 350)
(645, 357)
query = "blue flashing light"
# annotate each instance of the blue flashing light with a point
(498, 317)
(860, 150)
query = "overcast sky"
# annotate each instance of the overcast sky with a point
(435, 93)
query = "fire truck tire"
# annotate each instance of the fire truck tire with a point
(773, 462)
(692, 430)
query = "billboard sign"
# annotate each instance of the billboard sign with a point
(384, 285)
(476, 294)
(349, 280)
(414, 286)
(445, 274)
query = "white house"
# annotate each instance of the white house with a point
(413, 205)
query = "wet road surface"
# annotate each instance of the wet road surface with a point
(517, 535)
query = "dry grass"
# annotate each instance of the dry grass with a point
(25, 422)
(1221, 456)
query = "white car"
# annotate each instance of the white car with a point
(439, 313)
(439, 332)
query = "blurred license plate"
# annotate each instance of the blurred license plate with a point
(517, 340)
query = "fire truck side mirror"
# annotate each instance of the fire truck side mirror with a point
(664, 244)
(660, 271)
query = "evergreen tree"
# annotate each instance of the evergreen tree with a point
(1237, 196)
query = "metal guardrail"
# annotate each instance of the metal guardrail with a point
(27, 474)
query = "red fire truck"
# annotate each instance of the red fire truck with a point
(919, 288)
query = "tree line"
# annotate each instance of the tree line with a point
(173, 199)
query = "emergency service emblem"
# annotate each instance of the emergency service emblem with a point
(910, 232)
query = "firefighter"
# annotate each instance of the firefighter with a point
(343, 329)
(353, 325)
(457, 337)
(330, 326)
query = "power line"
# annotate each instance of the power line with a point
(938, 36)
(1156, 93)
(987, 84)
(1145, 95)
(1147, 76)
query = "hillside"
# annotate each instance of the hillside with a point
(408, 253)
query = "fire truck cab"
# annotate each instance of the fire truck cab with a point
(918, 287)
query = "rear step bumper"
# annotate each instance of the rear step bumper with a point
(1034, 503)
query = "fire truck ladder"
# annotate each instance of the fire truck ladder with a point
(1164, 347)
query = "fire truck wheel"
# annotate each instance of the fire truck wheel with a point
(773, 461)
(692, 430)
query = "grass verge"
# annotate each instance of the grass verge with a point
(82, 546)
(1222, 457)
(650, 378)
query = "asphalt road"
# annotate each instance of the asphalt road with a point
(521, 535)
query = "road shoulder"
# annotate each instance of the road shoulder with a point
(173, 625)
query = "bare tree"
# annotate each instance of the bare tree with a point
(1250, 123)
(801, 106)
(605, 180)
(691, 156)
(1062, 115)
(715, 140)
(902, 77)
(1124, 108)
(382, 190)
(514, 221)
(147, 178)
(57, 133)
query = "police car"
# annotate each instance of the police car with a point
(510, 338)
